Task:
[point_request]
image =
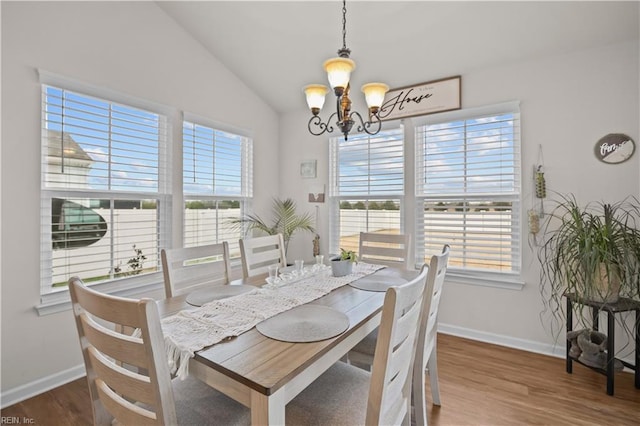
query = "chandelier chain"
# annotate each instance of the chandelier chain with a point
(344, 24)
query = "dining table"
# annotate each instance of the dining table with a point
(263, 373)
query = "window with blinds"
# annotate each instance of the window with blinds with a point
(367, 186)
(217, 180)
(101, 188)
(468, 191)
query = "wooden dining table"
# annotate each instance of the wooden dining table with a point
(265, 374)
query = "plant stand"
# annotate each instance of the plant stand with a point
(622, 305)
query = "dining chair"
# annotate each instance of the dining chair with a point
(427, 354)
(426, 358)
(347, 395)
(386, 249)
(145, 395)
(185, 269)
(260, 252)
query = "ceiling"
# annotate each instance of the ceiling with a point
(276, 48)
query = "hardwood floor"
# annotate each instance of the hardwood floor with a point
(480, 384)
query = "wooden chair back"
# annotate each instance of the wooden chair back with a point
(260, 252)
(385, 249)
(427, 336)
(390, 390)
(143, 397)
(186, 269)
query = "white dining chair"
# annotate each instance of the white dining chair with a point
(427, 354)
(260, 252)
(385, 249)
(347, 395)
(426, 359)
(186, 269)
(143, 394)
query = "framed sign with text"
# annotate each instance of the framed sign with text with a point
(422, 99)
(614, 148)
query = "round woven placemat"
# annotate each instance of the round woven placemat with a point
(206, 295)
(306, 323)
(377, 283)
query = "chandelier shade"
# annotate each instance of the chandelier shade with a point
(339, 71)
(315, 96)
(339, 74)
(374, 94)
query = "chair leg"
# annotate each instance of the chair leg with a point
(419, 395)
(432, 366)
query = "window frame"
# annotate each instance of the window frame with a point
(412, 205)
(59, 300)
(492, 278)
(246, 192)
(335, 197)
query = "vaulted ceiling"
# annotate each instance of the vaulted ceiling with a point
(276, 48)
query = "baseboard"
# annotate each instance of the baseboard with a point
(28, 390)
(558, 351)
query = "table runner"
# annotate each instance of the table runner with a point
(191, 330)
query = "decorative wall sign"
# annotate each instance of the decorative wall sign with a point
(308, 168)
(422, 99)
(614, 148)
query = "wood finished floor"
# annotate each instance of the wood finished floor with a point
(480, 384)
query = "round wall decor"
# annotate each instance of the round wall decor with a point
(614, 148)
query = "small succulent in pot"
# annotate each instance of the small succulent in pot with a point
(342, 264)
(348, 255)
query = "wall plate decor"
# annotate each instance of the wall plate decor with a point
(422, 99)
(614, 148)
(308, 168)
(316, 193)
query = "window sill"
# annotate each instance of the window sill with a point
(60, 301)
(510, 282)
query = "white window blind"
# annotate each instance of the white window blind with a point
(102, 183)
(367, 186)
(218, 183)
(468, 188)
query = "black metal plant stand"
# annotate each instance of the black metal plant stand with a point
(622, 305)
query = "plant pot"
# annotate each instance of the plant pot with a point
(606, 284)
(340, 268)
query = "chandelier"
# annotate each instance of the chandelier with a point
(338, 71)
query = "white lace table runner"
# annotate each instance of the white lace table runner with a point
(189, 331)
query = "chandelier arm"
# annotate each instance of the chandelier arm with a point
(365, 125)
(316, 121)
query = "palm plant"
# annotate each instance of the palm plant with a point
(286, 221)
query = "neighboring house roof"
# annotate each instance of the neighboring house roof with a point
(71, 148)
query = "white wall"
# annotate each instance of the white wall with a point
(568, 102)
(132, 48)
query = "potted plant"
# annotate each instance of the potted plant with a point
(342, 264)
(286, 221)
(591, 251)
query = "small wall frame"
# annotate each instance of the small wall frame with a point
(308, 169)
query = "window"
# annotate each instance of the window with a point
(367, 186)
(468, 190)
(217, 181)
(103, 189)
